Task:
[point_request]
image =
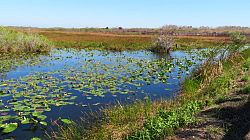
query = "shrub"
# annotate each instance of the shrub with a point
(13, 41)
(163, 43)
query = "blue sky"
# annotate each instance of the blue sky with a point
(125, 13)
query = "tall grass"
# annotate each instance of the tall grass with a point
(12, 41)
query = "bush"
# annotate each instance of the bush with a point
(238, 42)
(13, 41)
(163, 43)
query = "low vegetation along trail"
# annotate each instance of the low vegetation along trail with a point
(228, 119)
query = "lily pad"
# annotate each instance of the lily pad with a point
(10, 127)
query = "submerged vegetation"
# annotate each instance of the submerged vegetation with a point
(12, 41)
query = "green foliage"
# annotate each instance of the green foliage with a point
(220, 98)
(165, 122)
(190, 85)
(238, 38)
(35, 138)
(224, 82)
(246, 65)
(246, 90)
(17, 42)
(9, 127)
(238, 42)
(66, 121)
(245, 78)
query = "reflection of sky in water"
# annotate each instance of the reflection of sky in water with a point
(61, 61)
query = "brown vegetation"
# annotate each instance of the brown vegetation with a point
(136, 39)
(126, 39)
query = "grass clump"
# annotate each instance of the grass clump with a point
(73, 131)
(190, 85)
(12, 41)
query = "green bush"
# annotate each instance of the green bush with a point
(18, 42)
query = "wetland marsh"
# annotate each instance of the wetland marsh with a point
(66, 83)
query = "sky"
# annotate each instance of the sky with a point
(124, 13)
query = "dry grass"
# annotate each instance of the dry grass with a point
(121, 41)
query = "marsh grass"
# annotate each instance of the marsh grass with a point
(131, 43)
(111, 46)
(124, 42)
(12, 41)
(184, 43)
(74, 131)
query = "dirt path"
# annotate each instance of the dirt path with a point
(228, 119)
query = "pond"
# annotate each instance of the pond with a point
(68, 83)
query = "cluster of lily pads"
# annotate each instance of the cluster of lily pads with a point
(25, 100)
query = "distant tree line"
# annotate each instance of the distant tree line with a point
(166, 29)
